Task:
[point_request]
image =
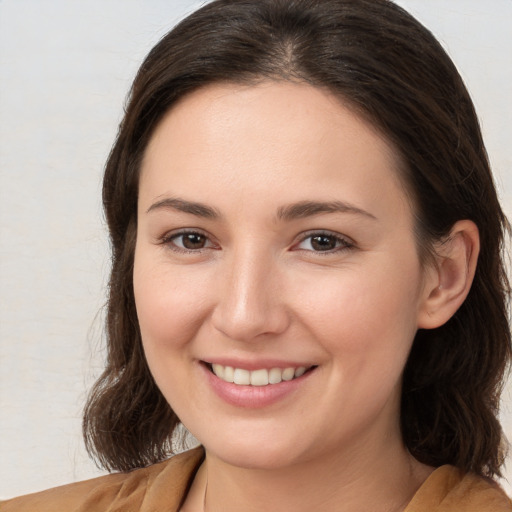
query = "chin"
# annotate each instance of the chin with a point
(255, 451)
(254, 457)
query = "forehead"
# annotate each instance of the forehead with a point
(224, 104)
(250, 140)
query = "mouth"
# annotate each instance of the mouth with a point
(260, 377)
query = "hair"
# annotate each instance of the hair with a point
(393, 73)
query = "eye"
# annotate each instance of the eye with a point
(324, 242)
(187, 241)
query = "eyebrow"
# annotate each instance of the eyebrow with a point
(197, 209)
(304, 209)
(294, 211)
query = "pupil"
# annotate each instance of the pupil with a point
(193, 241)
(323, 243)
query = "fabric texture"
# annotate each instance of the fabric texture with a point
(163, 487)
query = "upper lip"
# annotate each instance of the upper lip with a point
(256, 364)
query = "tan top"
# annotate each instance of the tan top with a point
(162, 488)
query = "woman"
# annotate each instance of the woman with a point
(307, 273)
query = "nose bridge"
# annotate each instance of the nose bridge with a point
(249, 301)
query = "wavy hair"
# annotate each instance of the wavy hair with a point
(392, 72)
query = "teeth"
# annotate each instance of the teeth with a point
(242, 377)
(261, 377)
(300, 371)
(218, 369)
(275, 376)
(229, 374)
(288, 373)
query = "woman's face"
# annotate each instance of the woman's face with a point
(275, 242)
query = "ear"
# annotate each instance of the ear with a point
(447, 283)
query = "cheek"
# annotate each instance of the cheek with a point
(170, 312)
(366, 325)
(365, 313)
(169, 303)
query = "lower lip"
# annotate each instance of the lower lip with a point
(253, 397)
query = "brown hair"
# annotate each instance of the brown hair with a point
(393, 72)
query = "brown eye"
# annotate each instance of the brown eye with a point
(324, 243)
(329, 243)
(191, 241)
(187, 241)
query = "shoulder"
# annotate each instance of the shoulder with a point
(165, 482)
(450, 490)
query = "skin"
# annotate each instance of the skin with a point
(256, 287)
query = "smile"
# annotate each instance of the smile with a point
(261, 377)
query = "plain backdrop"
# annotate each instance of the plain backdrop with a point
(65, 68)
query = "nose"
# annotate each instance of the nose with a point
(250, 301)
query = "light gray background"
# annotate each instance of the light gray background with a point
(65, 67)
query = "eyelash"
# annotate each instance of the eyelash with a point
(169, 241)
(342, 243)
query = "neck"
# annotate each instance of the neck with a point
(386, 483)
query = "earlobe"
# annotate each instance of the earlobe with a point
(448, 283)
